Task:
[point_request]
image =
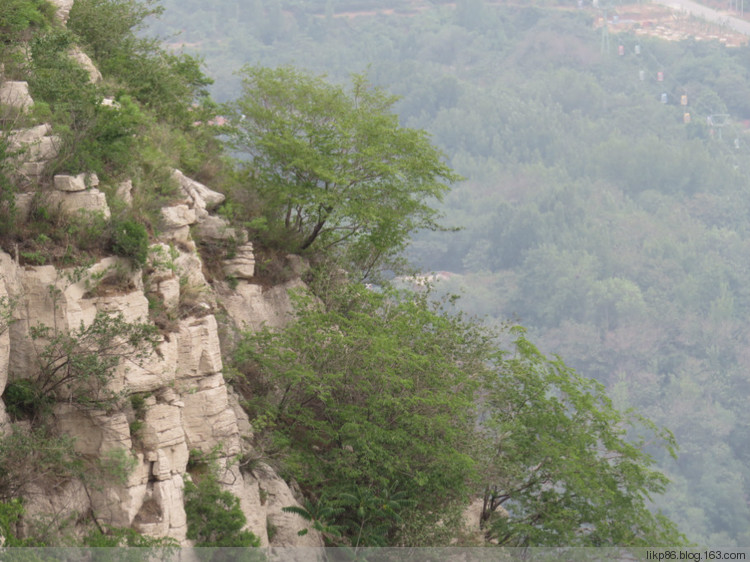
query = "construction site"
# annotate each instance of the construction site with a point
(668, 22)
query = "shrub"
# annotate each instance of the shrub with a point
(214, 516)
(35, 456)
(130, 240)
(77, 366)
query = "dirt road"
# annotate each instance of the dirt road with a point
(721, 18)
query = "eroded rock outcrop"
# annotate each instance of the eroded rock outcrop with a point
(180, 400)
(15, 95)
(32, 148)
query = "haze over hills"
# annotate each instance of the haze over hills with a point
(606, 195)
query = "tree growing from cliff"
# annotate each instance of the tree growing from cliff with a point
(333, 167)
(77, 366)
(558, 461)
(395, 396)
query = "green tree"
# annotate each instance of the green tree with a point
(376, 397)
(334, 168)
(374, 392)
(559, 462)
(77, 366)
(214, 517)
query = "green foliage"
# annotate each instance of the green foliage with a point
(560, 464)
(334, 167)
(77, 366)
(164, 82)
(214, 517)
(7, 187)
(372, 391)
(320, 515)
(35, 456)
(111, 537)
(130, 240)
(16, 16)
(375, 397)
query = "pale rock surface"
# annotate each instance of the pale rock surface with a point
(189, 406)
(63, 9)
(87, 64)
(4, 338)
(177, 217)
(20, 137)
(199, 353)
(288, 525)
(162, 512)
(33, 148)
(251, 306)
(208, 421)
(200, 197)
(169, 291)
(125, 192)
(34, 143)
(163, 434)
(242, 266)
(55, 503)
(15, 94)
(92, 201)
(81, 182)
(216, 229)
(96, 433)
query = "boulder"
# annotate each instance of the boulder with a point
(250, 306)
(125, 192)
(177, 217)
(215, 229)
(91, 201)
(242, 266)
(15, 95)
(288, 525)
(20, 137)
(200, 198)
(87, 64)
(81, 182)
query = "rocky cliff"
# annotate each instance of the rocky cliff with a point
(184, 404)
(188, 406)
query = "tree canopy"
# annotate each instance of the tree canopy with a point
(385, 397)
(333, 167)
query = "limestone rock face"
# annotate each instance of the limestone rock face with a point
(87, 64)
(15, 95)
(63, 9)
(32, 149)
(279, 495)
(81, 182)
(252, 306)
(199, 197)
(215, 228)
(242, 266)
(175, 401)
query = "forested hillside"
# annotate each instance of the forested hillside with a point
(600, 207)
